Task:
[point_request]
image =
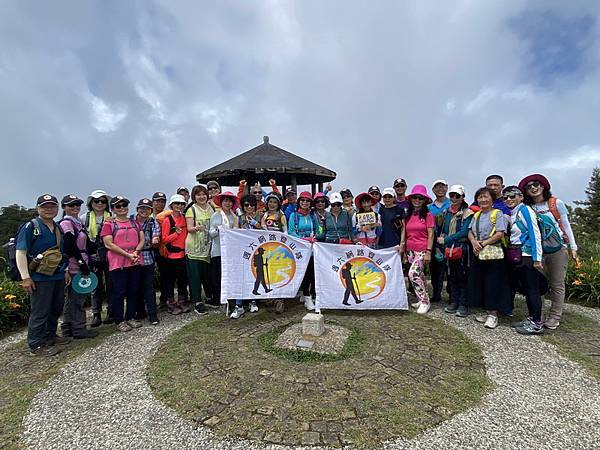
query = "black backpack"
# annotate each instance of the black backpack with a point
(11, 249)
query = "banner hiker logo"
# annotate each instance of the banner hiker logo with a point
(273, 266)
(362, 279)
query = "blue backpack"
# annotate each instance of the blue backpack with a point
(552, 240)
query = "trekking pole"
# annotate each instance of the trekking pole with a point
(357, 287)
(266, 264)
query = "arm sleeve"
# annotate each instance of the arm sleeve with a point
(460, 234)
(530, 218)
(291, 225)
(564, 219)
(70, 246)
(215, 221)
(275, 188)
(22, 265)
(501, 222)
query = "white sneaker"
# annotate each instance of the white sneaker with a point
(423, 308)
(309, 303)
(491, 322)
(237, 312)
(415, 305)
(253, 307)
(481, 318)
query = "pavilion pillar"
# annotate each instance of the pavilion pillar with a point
(313, 188)
(320, 187)
(294, 182)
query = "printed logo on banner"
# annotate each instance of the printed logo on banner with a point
(272, 262)
(361, 275)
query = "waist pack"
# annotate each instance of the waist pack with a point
(491, 253)
(49, 263)
(453, 253)
(514, 255)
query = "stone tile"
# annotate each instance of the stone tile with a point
(310, 438)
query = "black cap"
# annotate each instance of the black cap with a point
(159, 196)
(70, 200)
(145, 202)
(118, 199)
(398, 181)
(374, 189)
(182, 188)
(45, 199)
(346, 191)
(289, 191)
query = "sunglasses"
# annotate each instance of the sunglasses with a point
(400, 185)
(320, 201)
(510, 196)
(213, 188)
(304, 200)
(121, 205)
(388, 196)
(455, 195)
(375, 194)
(99, 201)
(257, 193)
(76, 205)
(418, 197)
(346, 196)
(247, 205)
(336, 204)
(533, 185)
(178, 203)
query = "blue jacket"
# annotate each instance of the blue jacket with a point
(301, 226)
(462, 227)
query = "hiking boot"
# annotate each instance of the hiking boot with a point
(451, 308)
(552, 323)
(85, 334)
(237, 312)
(520, 323)
(133, 323)
(96, 320)
(108, 320)
(462, 311)
(279, 306)
(59, 340)
(530, 328)
(173, 308)
(423, 308)
(253, 307)
(201, 309)
(153, 320)
(184, 305)
(491, 322)
(309, 303)
(124, 327)
(44, 351)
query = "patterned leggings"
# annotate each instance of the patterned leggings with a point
(416, 275)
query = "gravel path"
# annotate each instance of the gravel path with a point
(12, 339)
(102, 400)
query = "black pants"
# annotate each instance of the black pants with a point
(73, 313)
(530, 282)
(161, 266)
(174, 274)
(102, 292)
(46, 306)
(489, 285)
(437, 270)
(125, 283)
(146, 300)
(458, 278)
(215, 276)
(308, 282)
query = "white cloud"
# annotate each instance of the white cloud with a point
(581, 158)
(104, 118)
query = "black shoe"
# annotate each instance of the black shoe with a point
(59, 340)
(153, 320)
(201, 309)
(451, 308)
(108, 320)
(66, 332)
(85, 334)
(358, 301)
(256, 292)
(44, 351)
(436, 299)
(462, 311)
(268, 290)
(96, 321)
(346, 303)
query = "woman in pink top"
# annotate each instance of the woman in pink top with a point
(123, 239)
(417, 240)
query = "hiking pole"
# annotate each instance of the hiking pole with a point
(266, 264)
(357, 288)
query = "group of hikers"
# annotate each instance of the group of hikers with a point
(509, 239)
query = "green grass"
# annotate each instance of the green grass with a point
(22, 376)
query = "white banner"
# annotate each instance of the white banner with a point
(261, 264)
(357, 277)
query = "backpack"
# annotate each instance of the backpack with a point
(552, 240)
(11, 249)
(554, 210)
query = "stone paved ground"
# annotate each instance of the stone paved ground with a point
(102, 400)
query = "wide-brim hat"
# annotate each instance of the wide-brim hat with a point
(420, 189)
(219, 198)
(306, 195)
(321, 195)
(389, 191)
(176, 198)
(457, 189)
(98, 193)
(359, 198)
(534, 177)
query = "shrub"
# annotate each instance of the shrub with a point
(583, 282)
(14, 305)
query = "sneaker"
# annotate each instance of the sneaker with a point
(279, 306)
(253, 307)
(238, 312)
(108, 320)
(85, 334)
(491, 322)
(44, 351)
(552, 323)
(481, 318)
(133, 323)
(96, 321)
(184, 307)
(59, 340)
(124, 327)
(520, 323)
(154, 320)
(530, 328)
(173, 308)
(451, 308)
(423, 308)
(201, 309)
(415, 305)
(309, 303)
(462, 311)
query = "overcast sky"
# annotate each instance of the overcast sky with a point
(138, 96)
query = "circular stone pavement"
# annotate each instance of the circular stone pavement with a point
(410, 374)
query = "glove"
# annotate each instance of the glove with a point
(84, 268)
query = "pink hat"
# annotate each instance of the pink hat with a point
(534, 177)
(363, 195)
(321, 195)
(307, 195)
(219, 198)
(420, 189)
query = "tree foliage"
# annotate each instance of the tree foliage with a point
(11, 217)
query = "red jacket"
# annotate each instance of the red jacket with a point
(173, 244)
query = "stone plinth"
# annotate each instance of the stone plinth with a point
(331, 342)
(313, 325)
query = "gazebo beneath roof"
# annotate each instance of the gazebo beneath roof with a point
(265, 162)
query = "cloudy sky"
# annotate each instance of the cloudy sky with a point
(138, 96)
